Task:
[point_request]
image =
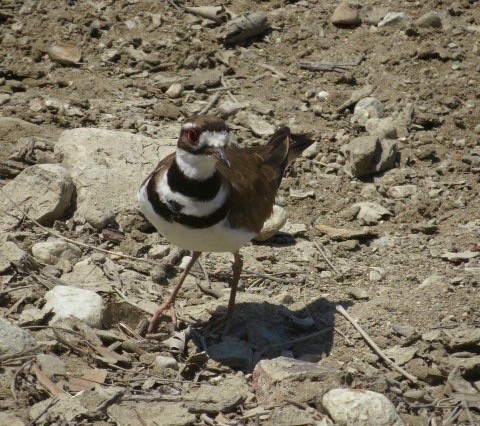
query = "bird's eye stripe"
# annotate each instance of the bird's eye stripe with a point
(192, 136)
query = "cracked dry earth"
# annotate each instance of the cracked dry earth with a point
(383, 214)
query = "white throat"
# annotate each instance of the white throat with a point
(195, 166)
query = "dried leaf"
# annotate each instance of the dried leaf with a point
(89, 380)
(42, 378)
(195, 363)
(178, 341)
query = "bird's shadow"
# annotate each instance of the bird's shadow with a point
(264, 330)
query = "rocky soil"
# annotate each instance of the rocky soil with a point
(382, 213)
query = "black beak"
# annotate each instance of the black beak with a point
(220, 155)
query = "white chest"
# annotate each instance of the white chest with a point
(220, 237)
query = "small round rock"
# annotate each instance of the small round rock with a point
(175, 91)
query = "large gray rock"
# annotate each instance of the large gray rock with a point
(44, 191)
(368, 155)
(280, 378)
(65, 302)
(360, 408)
(14, 340)
(108, 167)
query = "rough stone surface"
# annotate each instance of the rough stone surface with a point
(12, 255)
(14, 340)
(65, 54)
(231, 352)
(273, 224)
(107, 168)
(51, 365)
(10, 419)
(430, 19)
(280, 378)
(384, 128)
(67, 408)
(402, 191)
(222, 398)
(345, 15)
(44, 190)
(366, 108)
(87, 275)
(360, 407)
(51, 252)
(162, 362)
(168, 413)
(65, 302)
(368, 155)
(371, 213)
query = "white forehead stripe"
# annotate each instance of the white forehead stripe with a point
(187, 126)
(216, 139)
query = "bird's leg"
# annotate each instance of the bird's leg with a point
(237, 270)
(169, 304)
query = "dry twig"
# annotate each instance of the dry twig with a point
(211, 103)
(330, 264)
(374, 346)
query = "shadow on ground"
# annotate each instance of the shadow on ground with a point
(263, 329)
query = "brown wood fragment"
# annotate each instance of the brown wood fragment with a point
(244, 27)
(42, 378)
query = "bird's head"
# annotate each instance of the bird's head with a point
(204, 137)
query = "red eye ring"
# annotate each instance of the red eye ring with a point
(192, 136)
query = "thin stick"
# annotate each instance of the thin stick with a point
(279, 74)
(175, 5)
(273, 277)
(379, 352)
(229, 93)
(77, 243)
(52, 403)
(330, 264)
(14, 379)
(210, 104)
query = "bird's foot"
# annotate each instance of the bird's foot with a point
(155, 321)
(221, 321)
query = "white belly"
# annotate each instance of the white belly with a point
(218, 238)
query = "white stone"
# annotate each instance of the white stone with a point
(162, 362)
(159, 251)
(371, 213)
(397, 19)
(175, 91)
(43, 190)
(14, 340)
(108, 168)
(50, 252)
(402, 191)
(312, 151)
(273, 224)
(64, 302)
(366, 108)
(360, 408)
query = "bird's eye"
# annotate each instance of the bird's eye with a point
(192, 136)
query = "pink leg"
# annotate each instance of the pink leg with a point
(237, 270)
(154, 322)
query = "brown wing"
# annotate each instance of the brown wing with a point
(254, 177)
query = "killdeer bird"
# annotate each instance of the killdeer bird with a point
(209, 196)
